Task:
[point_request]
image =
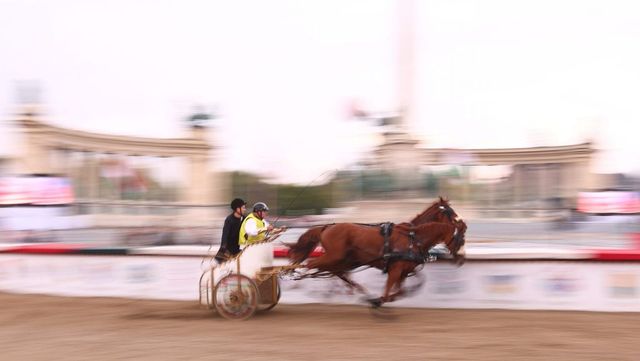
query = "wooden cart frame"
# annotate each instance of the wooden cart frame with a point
(236, 295)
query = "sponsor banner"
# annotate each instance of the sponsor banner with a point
(550, 285)
(35, 191)
(614, 202)
(171, 278)
(21, 218)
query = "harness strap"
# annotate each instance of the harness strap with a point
(412, 255)
(386, 229)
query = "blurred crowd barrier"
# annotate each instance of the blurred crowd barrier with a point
(570, 282)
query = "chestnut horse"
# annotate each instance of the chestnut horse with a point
(398, 251)
(438, 211)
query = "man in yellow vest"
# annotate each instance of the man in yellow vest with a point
(255, 227)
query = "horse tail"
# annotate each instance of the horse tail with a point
(306, 244)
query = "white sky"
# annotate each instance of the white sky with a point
(490, 73)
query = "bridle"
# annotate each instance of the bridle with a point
(455, 243)
(447, 212)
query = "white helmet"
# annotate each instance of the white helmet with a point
(260, 206)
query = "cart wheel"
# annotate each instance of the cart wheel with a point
(236, 297)
(264, 308)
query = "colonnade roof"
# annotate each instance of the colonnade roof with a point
(63, 138)
(496, 156)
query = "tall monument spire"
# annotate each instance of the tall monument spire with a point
(398, 126)
(406, 61)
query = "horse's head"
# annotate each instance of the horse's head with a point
(452, 235)
(439, 211)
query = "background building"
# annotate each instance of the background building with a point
(122, 180)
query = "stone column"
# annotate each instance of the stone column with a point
(93, 180)
(585, 178)
(492, 194)
(197, 195)
(517, 183)
(197, 181)
(570, 186)
(542, 175)
(35, 154)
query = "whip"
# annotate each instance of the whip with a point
(303, 190)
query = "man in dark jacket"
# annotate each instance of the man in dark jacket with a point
(231, 231)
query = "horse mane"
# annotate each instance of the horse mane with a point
(431, 210)
(434, 227)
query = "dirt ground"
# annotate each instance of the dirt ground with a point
(34, 327)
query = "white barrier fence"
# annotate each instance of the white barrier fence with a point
(555, 285)
(550, 285)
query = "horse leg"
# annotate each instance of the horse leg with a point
(400, 291)
(352, 284)
(394, 276)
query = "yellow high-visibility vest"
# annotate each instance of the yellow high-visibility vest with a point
(246, 239)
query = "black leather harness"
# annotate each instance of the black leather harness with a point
(413, 254)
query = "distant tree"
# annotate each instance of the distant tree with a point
(283, 199)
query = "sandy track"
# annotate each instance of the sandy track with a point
(44, 328)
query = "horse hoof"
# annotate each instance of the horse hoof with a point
(375, 302)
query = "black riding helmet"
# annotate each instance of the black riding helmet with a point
(260, 206)
(237, 203)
